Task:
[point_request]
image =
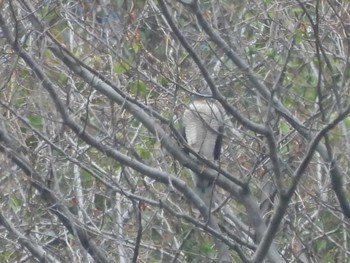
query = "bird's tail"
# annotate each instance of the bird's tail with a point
(204, 188)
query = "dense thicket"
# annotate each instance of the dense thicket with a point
(92, 163)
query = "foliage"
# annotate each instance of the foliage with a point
(115, 171)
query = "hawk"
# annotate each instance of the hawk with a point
(203, 125)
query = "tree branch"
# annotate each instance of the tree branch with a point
(109, 151)
(34, 248)
(336, 175)
(285, 198)
(55, 203)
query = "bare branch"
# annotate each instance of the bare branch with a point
(37, 250)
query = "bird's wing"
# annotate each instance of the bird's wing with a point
(218, 143)
(202, 123)
(183, 133)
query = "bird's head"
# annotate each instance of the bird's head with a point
(203, 94)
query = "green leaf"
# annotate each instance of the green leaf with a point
(164, 81)
(20, 101)
(271, 53)
(116, 165)
(347, 122)
(15, 203)
(121, 67)
(336, 135)
(5, 256)
(206, 248)
(298, 36)
(310, 93)
(347, 73)
(142, 151)
(139, 88)
(297, 10)
(62, 78)
(86, 178)
(283, 127)
(135, 47)
(288, 101)
(36, 121)
(321, 245)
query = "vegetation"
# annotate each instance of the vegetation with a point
(92, 163)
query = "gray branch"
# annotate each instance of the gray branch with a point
(37, 250)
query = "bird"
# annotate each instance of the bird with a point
(203, 126)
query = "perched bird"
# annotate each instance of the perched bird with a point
(203, 123)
